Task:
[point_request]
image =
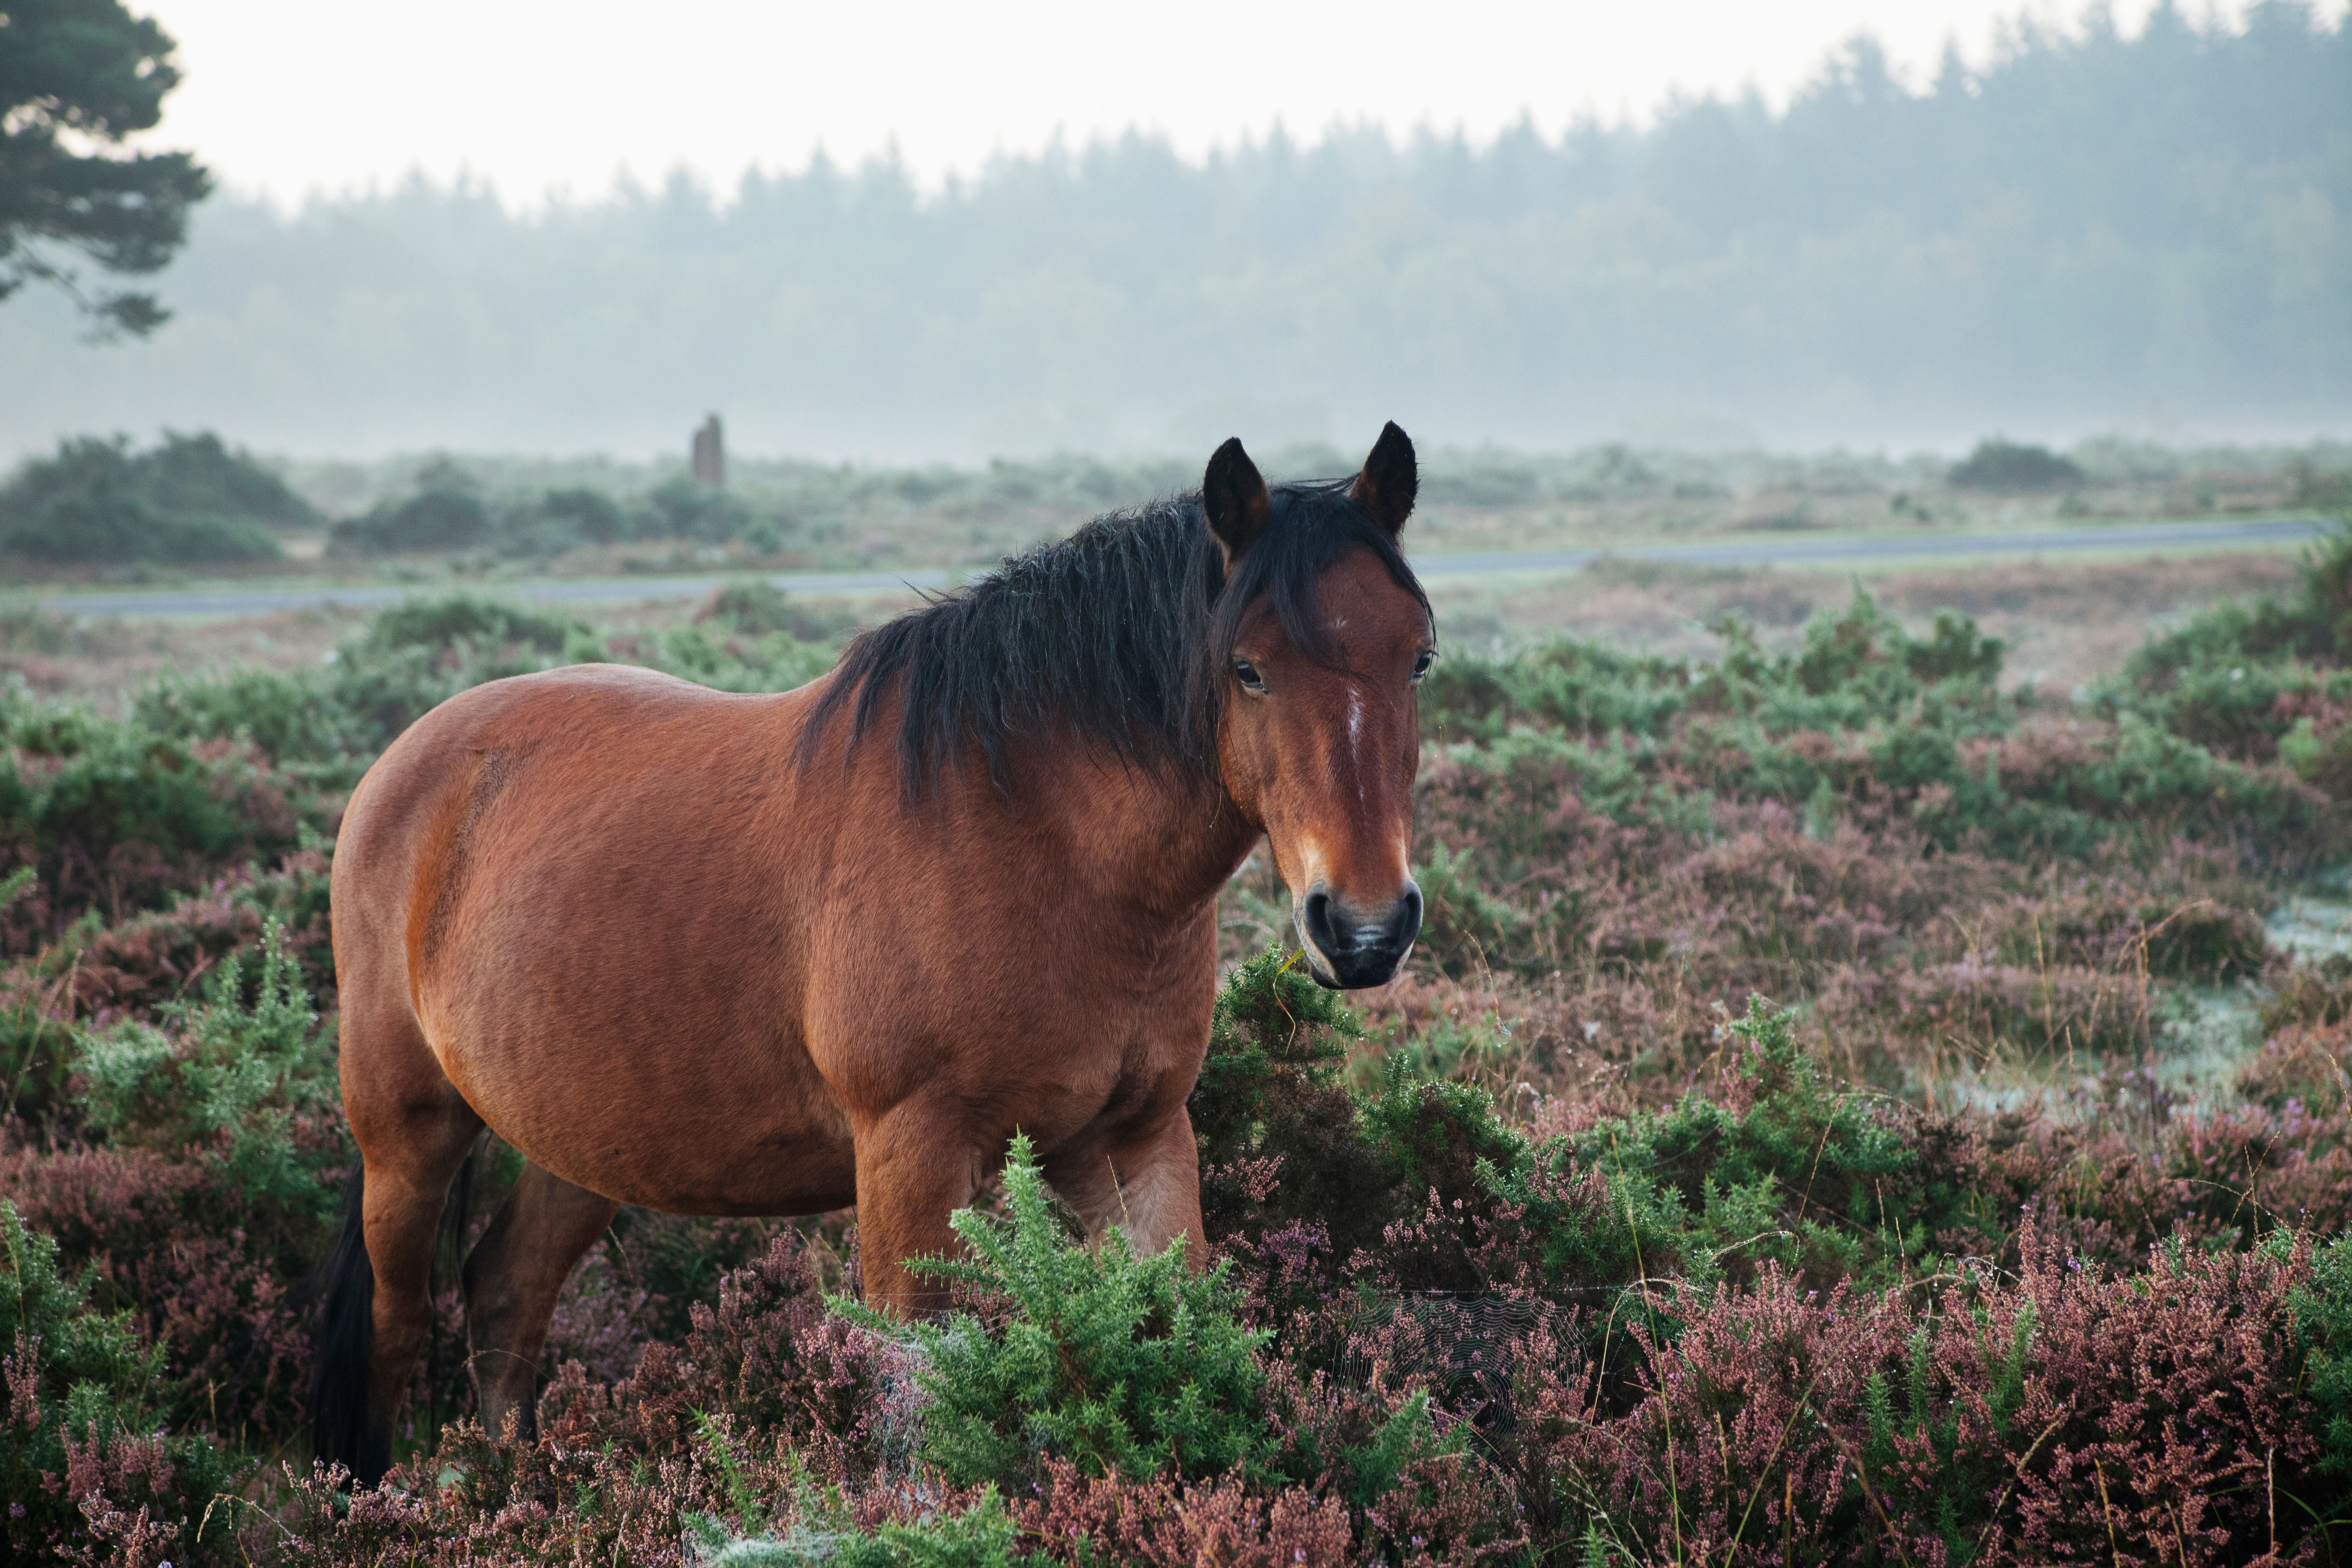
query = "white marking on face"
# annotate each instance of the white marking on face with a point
(1356, 740)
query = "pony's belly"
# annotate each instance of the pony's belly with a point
(757, 1184)
(707, 1129)
(699, 1167)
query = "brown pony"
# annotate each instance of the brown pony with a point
(721, 954)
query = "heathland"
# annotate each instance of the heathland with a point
(191, 508)
(1859, 1097)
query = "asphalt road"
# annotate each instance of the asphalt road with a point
(1758, 551)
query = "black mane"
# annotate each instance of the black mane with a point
(1122, 632)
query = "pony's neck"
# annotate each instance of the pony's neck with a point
(1200, 840)
(1169, 843)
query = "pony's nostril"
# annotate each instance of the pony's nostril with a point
(1327, 927)
(1405, 924)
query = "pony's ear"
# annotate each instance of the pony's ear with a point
(1389, 480)
(1233, 492)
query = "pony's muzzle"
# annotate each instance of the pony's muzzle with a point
(1349, 948)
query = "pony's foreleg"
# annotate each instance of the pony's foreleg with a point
(1148, 1183)
(512, 1279)
(917, 1164)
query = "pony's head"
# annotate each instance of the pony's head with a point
(1324, 633)
(1271, 654)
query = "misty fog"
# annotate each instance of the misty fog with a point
(2149, 233)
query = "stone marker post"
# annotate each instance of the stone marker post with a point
(710, 454)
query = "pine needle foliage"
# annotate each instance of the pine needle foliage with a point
(1275, 1036)
(2323, 1323)
(79, 1404)
(1270, 1099)
(982, 1536)
(230, 1075)
(1114, 1363)
(1817, 1179)
(59, 1353)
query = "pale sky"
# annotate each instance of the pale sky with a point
(289, 97)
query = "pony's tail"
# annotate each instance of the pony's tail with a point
(340, 1432)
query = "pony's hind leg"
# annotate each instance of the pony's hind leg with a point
(409, 1158)
(512, 1279)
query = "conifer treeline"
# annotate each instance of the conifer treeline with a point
(2090, 229)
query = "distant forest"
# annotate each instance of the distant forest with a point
(2089, 231)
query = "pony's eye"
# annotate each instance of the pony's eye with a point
(1420, 666)
(1249, 676)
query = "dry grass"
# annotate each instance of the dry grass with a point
(101, 661)
(2064, 622)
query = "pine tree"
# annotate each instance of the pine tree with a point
(76, 79)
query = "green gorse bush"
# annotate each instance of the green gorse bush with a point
(1113, 1362)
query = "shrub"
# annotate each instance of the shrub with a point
(1111, 1363)
(2073, 1416)
(561, 519)
(758, 607)
(690, 511)
(453, 622)
(1465, 928)
(1279, 1143)
(438, 518)
(197, 474)
(2324, 1324)
(212, 1282)
(1862, 723)
(2009, 467)
(1774, 1166)
(2322, 760)
(187, 502)
(679, 1262)
(417, 654)
(593, 515)
(114, 817)
(979, 1536)
(85, 1461)
(288, 717)
(2327, 489)
(2303, 1067)
(2247, 674)
(230, 1081)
